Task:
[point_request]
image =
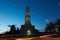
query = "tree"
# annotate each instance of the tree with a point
(50, 27)
(17, 31)
(47, 28)
(57, 23)
(12, 29)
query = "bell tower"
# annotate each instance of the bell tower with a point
(27, 16)
(28, 29)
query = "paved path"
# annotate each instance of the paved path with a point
(45, 37)
(23, 38)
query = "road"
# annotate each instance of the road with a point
(45, 37)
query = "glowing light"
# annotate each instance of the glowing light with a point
(28, 32)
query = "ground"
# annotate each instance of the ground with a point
(45, 37)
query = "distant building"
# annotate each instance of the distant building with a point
(28, 29)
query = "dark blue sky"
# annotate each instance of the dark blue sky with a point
(42, 12)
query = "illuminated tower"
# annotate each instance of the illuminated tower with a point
(28, 29)
(27, 16)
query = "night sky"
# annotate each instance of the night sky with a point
(42, 12)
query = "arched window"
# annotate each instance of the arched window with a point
(28, 32)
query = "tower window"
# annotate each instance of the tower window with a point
(28, 32)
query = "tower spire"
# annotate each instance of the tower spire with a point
(27, 16)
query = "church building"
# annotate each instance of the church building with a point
(28, 29)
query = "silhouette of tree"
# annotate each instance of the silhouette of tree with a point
(12, 29)
(17, 31)
(57, 23)
(50, 27)
(47, 29)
